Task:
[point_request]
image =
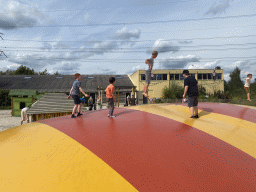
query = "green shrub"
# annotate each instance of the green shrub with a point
(5, 99)
(175, 92)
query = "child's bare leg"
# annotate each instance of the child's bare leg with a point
(196, 110)
(145, 90)
(79, 107)
(191, 110)
(74, 110)
(21, 122)
(248, 97)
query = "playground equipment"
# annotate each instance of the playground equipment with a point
(145, 148)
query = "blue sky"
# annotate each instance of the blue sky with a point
(116, 37)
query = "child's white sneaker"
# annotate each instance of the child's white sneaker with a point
(112, 116)
(108, 115)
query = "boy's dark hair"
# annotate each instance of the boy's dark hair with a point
(76, 75)
(112, 79)
(249, 75)
(186, 72)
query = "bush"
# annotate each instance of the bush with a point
(5, 99)
(175, 92)
(202, 92)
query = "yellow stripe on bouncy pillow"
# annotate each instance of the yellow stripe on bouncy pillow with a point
(37, 157)
(237, 132)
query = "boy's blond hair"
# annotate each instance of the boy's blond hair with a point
(249, 75)
(154, 53)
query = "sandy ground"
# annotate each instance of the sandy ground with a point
(7, 121)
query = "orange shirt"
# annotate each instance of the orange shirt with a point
(109, 90)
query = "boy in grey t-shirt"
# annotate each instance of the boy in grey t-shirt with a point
(74, 93)
(150, 63)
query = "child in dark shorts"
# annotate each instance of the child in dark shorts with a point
(191, 87)
(74, 93)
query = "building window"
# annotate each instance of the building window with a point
(171, 76)
(177, 77)
(219, 76)
(193, 75)
(159, 77)
(181, 77)
(22, 105)
(142, 77)
(209, 76)
(202, 76)
(154, 77)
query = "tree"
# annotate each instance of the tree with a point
(218, 67)
(57, 73)
(44, 72)
(23, 70)
(235, 83)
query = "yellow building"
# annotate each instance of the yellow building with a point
(166, 77)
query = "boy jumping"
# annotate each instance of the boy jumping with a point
(110, 96)
(74, 93)
(150, 63)
(247, 86)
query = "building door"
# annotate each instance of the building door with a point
(93, 97)
(126, 95)
(22, 105)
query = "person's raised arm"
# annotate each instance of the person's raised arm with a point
(80, 88)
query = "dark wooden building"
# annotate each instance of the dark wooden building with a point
(92, 84)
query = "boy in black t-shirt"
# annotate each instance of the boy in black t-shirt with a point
(191, 87)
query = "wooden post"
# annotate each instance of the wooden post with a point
(118, 97)
(115, 97)
(101, 95)
(133, 91)
(12, 106)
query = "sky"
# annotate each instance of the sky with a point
(116, 37)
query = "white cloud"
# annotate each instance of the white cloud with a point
(134, 69)
(218, 8)
(162, 46)
(14, 15)
(66, 68)
(125, 34)
(11, 67)
(100, 48)
(178, 62)
(211, 65)
(46, 46)
(60, 45)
